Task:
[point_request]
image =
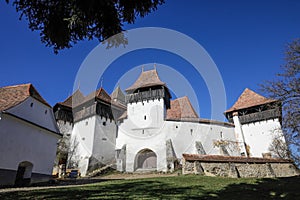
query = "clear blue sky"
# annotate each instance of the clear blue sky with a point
(246, 40)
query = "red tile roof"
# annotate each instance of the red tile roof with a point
(236, 159)
(181, 108)
(249, 99)
(11, 96)
(146, 79)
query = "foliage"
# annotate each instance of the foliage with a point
(63, 23)
(66, 152)
(279, 148)
(286, 88)
(178, 187)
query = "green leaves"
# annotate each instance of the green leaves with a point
(63, 23)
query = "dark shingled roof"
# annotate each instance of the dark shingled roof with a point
(146, 79)
(11, 96)
(234, 159)
(181, 108)
(249, 99)
(78, 98)
(100, 94)
(118, 95)
(74, 99)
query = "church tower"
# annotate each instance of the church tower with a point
(147, 101)
(257, 121)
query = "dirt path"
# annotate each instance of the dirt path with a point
(83, 181)
(137, 175)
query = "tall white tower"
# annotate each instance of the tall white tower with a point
(140, 143)
(147, 100)
(257, 121)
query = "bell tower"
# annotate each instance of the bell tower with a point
(147, 101)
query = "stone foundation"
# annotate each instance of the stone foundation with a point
(237, 167)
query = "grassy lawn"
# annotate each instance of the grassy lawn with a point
(180, 187)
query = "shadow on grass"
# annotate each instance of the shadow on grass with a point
(277, 188)
(188, 187)
(133, 189)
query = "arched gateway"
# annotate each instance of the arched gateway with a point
(23, 176)
(145, 159)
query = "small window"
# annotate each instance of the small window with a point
(176, 126)
(31, 105)
(46, 112)
(86, 123)
(104, 123)
(145, 117)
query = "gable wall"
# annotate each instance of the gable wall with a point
(38, 113)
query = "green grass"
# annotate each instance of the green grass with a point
(181, 187)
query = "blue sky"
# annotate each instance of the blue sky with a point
(246, 40)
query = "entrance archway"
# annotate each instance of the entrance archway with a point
(146, 159)
(24, 172)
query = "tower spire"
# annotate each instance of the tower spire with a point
(101, 83)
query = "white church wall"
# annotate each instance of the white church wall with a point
(136, 143)
(184, 136)
(104, 140)
(259, 135)
(22, 141)
(83, 139)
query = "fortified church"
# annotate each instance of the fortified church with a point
(146, 130)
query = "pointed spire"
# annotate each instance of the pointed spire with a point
(118, 95)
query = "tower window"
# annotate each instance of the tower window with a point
(86, 123)
(145, 117)
(104, 123)
(31, 105)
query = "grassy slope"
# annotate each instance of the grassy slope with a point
(181, 187)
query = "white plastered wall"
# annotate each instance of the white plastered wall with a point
(259, 135)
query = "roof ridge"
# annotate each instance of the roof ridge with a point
(18, 85)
